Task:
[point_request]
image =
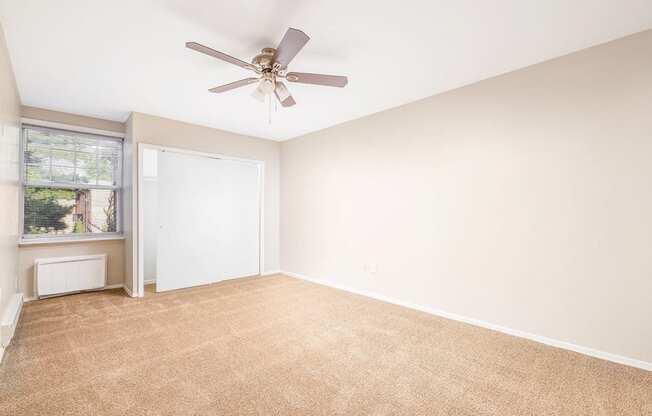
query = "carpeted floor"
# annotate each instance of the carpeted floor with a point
(281, 346)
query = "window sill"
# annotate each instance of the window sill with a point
(41, 241)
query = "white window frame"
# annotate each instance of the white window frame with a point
(27, 239)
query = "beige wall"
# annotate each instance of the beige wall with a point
(113, 248)
(9, 181)
(72, 119)
(522, 201)
(129, 204)
(143, 128)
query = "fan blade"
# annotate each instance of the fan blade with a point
(233, 85)
(283, 95)
(293, 41)
(317, 79)
(219, 55)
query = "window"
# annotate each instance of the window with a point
(71, 183)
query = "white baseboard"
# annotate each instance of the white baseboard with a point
(128, 291)
(270, 272)
(10, 317)
(149, 282)
(113, 286)
(521, 334)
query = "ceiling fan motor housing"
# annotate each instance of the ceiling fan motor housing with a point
(265, 59)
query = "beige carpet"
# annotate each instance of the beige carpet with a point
(280, 346)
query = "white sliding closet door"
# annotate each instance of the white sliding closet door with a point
(209, 216)
(239, 219)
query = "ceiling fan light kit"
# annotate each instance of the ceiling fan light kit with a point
(271, 66)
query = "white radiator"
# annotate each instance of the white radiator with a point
(58, 275)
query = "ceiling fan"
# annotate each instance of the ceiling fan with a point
(271, 66)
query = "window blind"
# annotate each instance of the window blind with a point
(71, 182)
(56, 158)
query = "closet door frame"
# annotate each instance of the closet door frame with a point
(140, 275)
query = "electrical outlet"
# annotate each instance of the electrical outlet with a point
(372, 268)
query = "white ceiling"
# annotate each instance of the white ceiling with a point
(108, 58)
